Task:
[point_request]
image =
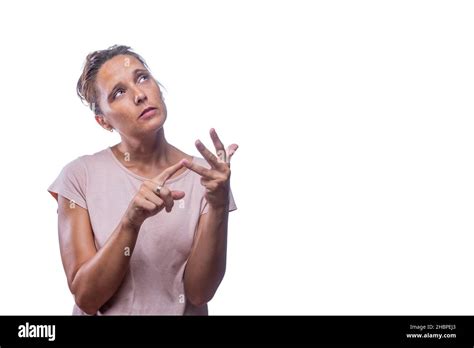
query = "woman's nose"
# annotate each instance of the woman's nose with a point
(139, 96)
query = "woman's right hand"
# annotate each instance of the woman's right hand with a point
(147, 202)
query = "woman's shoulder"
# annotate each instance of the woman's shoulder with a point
(83, 162)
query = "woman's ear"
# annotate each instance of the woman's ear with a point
(103, 123)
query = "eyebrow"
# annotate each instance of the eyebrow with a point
(134, 73)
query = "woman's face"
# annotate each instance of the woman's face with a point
(125, 89)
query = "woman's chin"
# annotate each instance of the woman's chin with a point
(152, 124)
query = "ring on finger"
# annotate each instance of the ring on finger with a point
(158, 189)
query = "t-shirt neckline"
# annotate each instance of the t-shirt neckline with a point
(142, 178)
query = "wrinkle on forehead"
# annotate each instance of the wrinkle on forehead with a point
(115, 70)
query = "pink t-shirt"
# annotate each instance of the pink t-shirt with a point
(153, 284)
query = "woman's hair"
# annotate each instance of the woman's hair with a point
(86, 87)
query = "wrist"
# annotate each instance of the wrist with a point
(130, 225)
(218, 206)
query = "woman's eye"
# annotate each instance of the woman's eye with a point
(143, 78)
(116, 94)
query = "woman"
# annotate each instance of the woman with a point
(142, 225)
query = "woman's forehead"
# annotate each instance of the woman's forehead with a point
(115, 70)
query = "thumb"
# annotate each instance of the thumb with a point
(177, 194)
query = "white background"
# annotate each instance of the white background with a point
(354, 176)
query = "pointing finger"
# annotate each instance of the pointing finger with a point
(208, 155)
(197, 169)
(220, 150)
(167, 173)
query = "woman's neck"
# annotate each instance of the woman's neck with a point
(147, 154)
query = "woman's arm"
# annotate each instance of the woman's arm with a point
(207, 261)
(94, 276)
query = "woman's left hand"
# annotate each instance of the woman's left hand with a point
(217, 178)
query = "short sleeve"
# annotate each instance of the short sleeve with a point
(71, 183)
(232, 206)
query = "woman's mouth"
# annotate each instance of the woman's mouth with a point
(148, 112)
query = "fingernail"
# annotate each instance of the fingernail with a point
(199, 145)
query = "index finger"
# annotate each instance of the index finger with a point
(167, 173)
(220, 150)
(197, 169)
(208, 155)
